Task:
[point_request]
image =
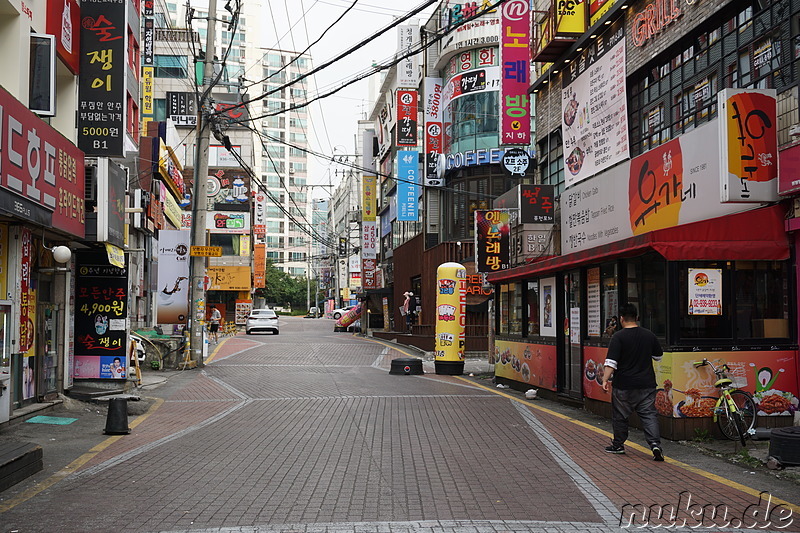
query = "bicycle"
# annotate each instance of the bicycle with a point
(735, 410)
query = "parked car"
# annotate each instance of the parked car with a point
(339, 313)
(262, 320)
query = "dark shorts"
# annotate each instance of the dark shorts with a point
(213, 328)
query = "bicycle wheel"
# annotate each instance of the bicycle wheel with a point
(736, 425)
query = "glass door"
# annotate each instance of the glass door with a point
(569, 331)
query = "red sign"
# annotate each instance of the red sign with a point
(42, 170)
(406, 117)
(26, 327)
(63, 21)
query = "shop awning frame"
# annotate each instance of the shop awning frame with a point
(754, 235)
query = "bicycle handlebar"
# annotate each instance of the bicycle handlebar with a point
(717, 370)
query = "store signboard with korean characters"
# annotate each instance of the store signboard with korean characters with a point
(102, 83)
(673, 184)
(594, 108)
(749, 145)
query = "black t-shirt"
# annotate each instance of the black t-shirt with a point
(633, 351)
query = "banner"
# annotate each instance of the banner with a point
(369, 239)
(369, 200)
(259, 266)
(173, 276)
(148, 42)
(407, 185)
(594, 105)
(406, 130)
(101, 85)
(673, 184)
(534, 364)
(101, 312)
(515, 60)
(259, 216)
(492, 240)
(408, 68)
(705, 291)
(748, 145)
(433, 131)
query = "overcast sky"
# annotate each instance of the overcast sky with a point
(334, 119)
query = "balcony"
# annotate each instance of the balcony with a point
(555, 30)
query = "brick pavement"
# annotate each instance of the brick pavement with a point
(317, 436)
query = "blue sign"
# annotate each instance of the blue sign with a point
(408, 185)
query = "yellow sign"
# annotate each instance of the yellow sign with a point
(571, 17)
(229, 278)
(171, 208)
(116, 255)
(205, 251)
(369, 200)
(147, 90)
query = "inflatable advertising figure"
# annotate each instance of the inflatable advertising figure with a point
(451, 301)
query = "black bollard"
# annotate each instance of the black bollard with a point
(117, 420)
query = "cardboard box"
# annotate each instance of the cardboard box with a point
(770, 328)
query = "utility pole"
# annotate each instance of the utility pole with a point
(197, 293)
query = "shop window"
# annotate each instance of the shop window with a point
(645, 286)
(762, 304)
(511, 309)
(532, 298)
(693, 322)
(228, 243)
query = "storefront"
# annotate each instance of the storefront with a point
(710, 278)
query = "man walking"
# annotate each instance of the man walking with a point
(630, 357)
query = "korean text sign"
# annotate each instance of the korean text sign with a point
(406, 130)
(595, 118)
(433, 130)
(492, 240)
(407, 185)
(101, 295)
(101, 86)
(515, 120)
(749, 145)
(41, 172)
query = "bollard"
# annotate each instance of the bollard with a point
(117, 419)
(408, 366)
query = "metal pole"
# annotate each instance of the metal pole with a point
(197, 292)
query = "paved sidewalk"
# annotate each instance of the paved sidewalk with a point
(308, 432)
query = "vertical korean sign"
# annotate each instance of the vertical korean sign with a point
(407, 185)
(369, 232)
(406, 129)
(749, 142)
(101, 296)
(101, 85)
(492, 240)
(259, 266)
(173, 277)
(433, 131)
(408, 68)
(515, 120)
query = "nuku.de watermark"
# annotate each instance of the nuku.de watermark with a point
(687, 512)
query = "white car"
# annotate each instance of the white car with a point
(262, 320)
(339, 313)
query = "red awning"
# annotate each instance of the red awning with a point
(755, 235)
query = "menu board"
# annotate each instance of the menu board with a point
(593, 101)
(593, 302)
(101, 296)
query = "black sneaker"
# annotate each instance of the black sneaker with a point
(615, 449)
(658, 455)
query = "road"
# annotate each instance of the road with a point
(308, 432)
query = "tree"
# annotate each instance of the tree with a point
(283, 288)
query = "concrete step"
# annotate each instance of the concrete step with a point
(18, 461)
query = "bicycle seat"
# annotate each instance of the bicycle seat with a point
(723, 383)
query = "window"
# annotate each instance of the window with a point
(551, 164)
(297, 271)
(762, 303)
(276, 257)
(159, 109)
(511, 309)
(274, 122)
(532, 297)
(297, 256)
(273, 211)
(228, 243)
(274, 226)
(296, 152)
(298, 93)
(168, 66)
(275, 150)
(297, 137)
(297, 181)
(133, 54)
(298, 123)
(133, 118)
